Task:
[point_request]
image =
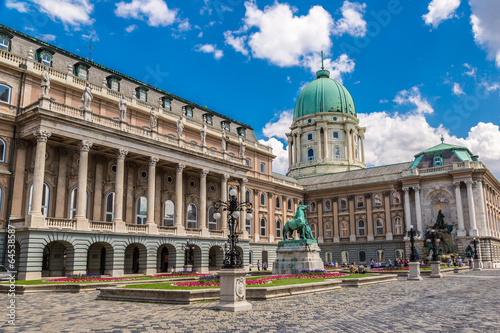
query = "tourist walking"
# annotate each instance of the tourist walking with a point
(264, 266)
(258, 265)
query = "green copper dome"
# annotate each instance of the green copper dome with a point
(324, 95)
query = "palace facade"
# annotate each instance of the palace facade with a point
(102, 173)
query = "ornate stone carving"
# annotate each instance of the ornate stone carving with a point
(469, 182)
(335, 199)
(416, 188)
(406, 189)
(42, 136)
(180, 127)
(85, 145)
(387, 193)
(153, 160)
(153, 119)
(243, 146)
(87, 98)
(203, 133)
(180, 167)
(204, 173)
(225, 177)
(31, 54)
(225, 138)
(122, 153)
(350, 197)
(255, 191)
(122, 106)
(270, 194)
(240, 286)
(45, 83)
(368, 195)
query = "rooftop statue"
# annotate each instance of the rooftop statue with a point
(299, 223)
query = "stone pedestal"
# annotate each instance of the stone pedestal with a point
(414, 271)
(476, 264)
(233, 290)
(461, 233)
(297, 255)
(436, 270)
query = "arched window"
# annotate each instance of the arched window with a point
(278, 229)
(263, 199)
(212, 222)
(141, 210)
(336, 153)
(310, 154)
(3, 148)
(343, 204)
(248, 225)
(361, 228)
(380, 256)
(379, 227)
(398, 225)
(168, 213)
(312, 206)
(5, 93)
(250, 257)
(192, 216)
(72, 203)
(278, 202)
(344, 257)
(396, 198)
(328, 256)
(344, 229)
(289, 204)
(328, 230)
(248, 196)
(362, 256)
(109, 210)
(328, 205)
(313, 229)
(360, 202)
(377, 200)
(45, 199)
(263, 227)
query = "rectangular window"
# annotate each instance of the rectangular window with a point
(82, 72)
(167, 103)
(115, 86)
(225, 125)
(46, 60)
(241, 131)
(248, 226)
(142, 95)
(262, 167)
(248, 162)
(209, 119)
(309, 137)
(335, 135)
(438, 161)
(188, 111)
(4, 43)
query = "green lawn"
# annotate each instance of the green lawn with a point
(34, 282)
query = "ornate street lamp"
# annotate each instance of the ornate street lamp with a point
(232, 257)
(434, 240)
(412, 233)
(475, 242)
(188, 249)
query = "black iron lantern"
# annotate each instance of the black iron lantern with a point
(475, 242)
(412, 234)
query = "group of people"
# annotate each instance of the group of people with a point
(397, 263)
(264, 265)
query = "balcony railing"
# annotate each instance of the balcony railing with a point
(61, 223)
(444, 168)
(102, 226)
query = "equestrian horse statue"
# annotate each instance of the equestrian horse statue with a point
(298, 223)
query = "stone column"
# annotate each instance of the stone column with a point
(150, 219)
(98, 189)
(61, 184)
(318, 140)
(407, 208)
(418, 208)
(290, 160)
(81, 191)
(349, 143)
(255, 224)
(35, 217)
(130, 202)
(179, 204)
(460, 213)
(203, 203)
(352, 222)
(336, 226)
(299, 145)
(271, 222)
(320, 226)
(120, 175)
(362, 152)
(388, 218)
(243, 219)
(326, 148)
(369, 216)
(472, 212)
(482, 211)
(223, 198)
(19, 185)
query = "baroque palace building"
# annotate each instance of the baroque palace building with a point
(102, 173)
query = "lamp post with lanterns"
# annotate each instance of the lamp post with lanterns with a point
(476, 263)
(414, 265)
(435, 264)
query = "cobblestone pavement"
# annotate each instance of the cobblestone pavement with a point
(465, 302)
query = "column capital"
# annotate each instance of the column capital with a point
(153, 160)
(244, 180)
(368, 195)
(350, 197)
(204, 173)
(255, 191)
(335, 199)
(85, 145)
(122, 153)
(416, 188)
(270, 194)
(406, 189)
(457, 183)
(469, 182)
(388, 193)
(225, 177)
(42, 136)
(180, 167)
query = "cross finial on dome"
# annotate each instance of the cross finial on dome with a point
(322, 67)
(442, 138)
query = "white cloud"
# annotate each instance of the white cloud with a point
(343, 64)
(491, 86)
(131, 28)
(200, 34)
(156, 12)
(439, 11)
(20, 6)
(457, 90)
(238, 43)
(382, 101)
(486, 25)
(279, 127)
(210, 48)
(352, 21)
(280, 163)
(47, 37)
(471, 70)
(413, 96)
(184, 25)
(69, 12)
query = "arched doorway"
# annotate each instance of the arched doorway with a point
(166, 258)
(100, 258)
(57, 259)
(135, 259)
(215, 258)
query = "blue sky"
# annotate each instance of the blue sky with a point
(416, 69)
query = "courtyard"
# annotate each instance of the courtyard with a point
(464, 302)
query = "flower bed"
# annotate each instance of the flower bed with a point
(98, 278)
